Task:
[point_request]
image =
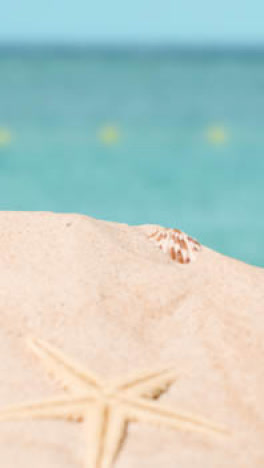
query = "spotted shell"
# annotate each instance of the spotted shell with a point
(181, 247)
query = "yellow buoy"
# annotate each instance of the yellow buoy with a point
(5, 137)
(217, 135)
(109, 135)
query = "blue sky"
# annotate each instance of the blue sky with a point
(141, 21)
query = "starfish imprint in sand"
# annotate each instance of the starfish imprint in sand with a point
(181, 247)
(105, 408)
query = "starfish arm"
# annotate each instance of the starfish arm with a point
(105, 429)
(95, 425)
(113, 436)
(150, 384)
(70, 374)
(143, 410)
(61, 408)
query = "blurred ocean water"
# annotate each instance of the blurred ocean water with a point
(170, 138)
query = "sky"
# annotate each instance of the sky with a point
(133, 21)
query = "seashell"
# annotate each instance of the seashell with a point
(181, 247)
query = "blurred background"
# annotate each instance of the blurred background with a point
(149, 111)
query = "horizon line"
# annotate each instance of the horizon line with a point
(132, 47)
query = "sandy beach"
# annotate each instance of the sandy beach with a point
(141, 361)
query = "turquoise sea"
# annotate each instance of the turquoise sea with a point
(174, 137)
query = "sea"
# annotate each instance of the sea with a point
(168, 136)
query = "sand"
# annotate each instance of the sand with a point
(104, 298)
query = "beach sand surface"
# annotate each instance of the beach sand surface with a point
(109, 300)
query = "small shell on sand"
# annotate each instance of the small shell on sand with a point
(181, 247)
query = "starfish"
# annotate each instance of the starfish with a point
(106, 409)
